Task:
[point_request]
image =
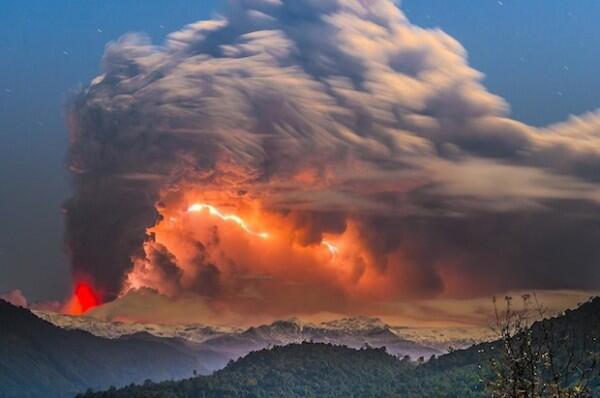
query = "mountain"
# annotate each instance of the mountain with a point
(576, 330)
(364, 331)
(446, 339)
(311, 370)
(38, 359)
(326, 370)
(193, 333)
(233, 343)
(296, 370)
(351, 332)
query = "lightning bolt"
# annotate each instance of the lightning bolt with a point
(213, 211)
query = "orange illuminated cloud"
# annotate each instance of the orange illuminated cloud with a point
(198, 207)
(213, 211)
(237, 251)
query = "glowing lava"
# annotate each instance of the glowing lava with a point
(198, 207)
(84, 299)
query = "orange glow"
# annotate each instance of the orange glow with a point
(241, 254)
(198, 207)
(333, 249)
(84, 298)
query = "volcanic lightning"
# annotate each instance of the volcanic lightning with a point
(333, 249)
(199, 207)
(304, 156)
(213, 211)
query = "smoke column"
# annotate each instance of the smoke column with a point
(366, 147)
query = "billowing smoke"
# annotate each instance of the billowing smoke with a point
(364, 146)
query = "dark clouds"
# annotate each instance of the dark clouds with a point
(330, 113)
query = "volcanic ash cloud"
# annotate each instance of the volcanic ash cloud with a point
(351, 159)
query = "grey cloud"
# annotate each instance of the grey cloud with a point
(388, 116)
(15, 297)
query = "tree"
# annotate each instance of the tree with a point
(540, 359)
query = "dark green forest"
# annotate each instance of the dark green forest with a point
(314, 370)
(38, 359)
(323, 370)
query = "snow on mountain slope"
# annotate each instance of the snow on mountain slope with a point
(448, 338)
(359, 323)
(192, 333)
(353, 332)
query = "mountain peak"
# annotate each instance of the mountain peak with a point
(357, 323)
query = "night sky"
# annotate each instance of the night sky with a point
(540, 56)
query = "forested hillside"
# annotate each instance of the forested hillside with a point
(312, 370)
(324, 370)
(38, 359)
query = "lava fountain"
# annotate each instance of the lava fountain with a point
(84, 298)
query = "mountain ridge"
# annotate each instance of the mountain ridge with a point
(326, 370)
(351, 331)
(39, 359)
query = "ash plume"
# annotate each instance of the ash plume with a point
(340, 118)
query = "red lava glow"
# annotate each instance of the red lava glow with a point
(84, 299)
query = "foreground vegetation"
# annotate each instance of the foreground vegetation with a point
(309, 370)
(555, 358)
(38, 359)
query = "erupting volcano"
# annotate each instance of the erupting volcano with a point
(318, 156)
(84, 298)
